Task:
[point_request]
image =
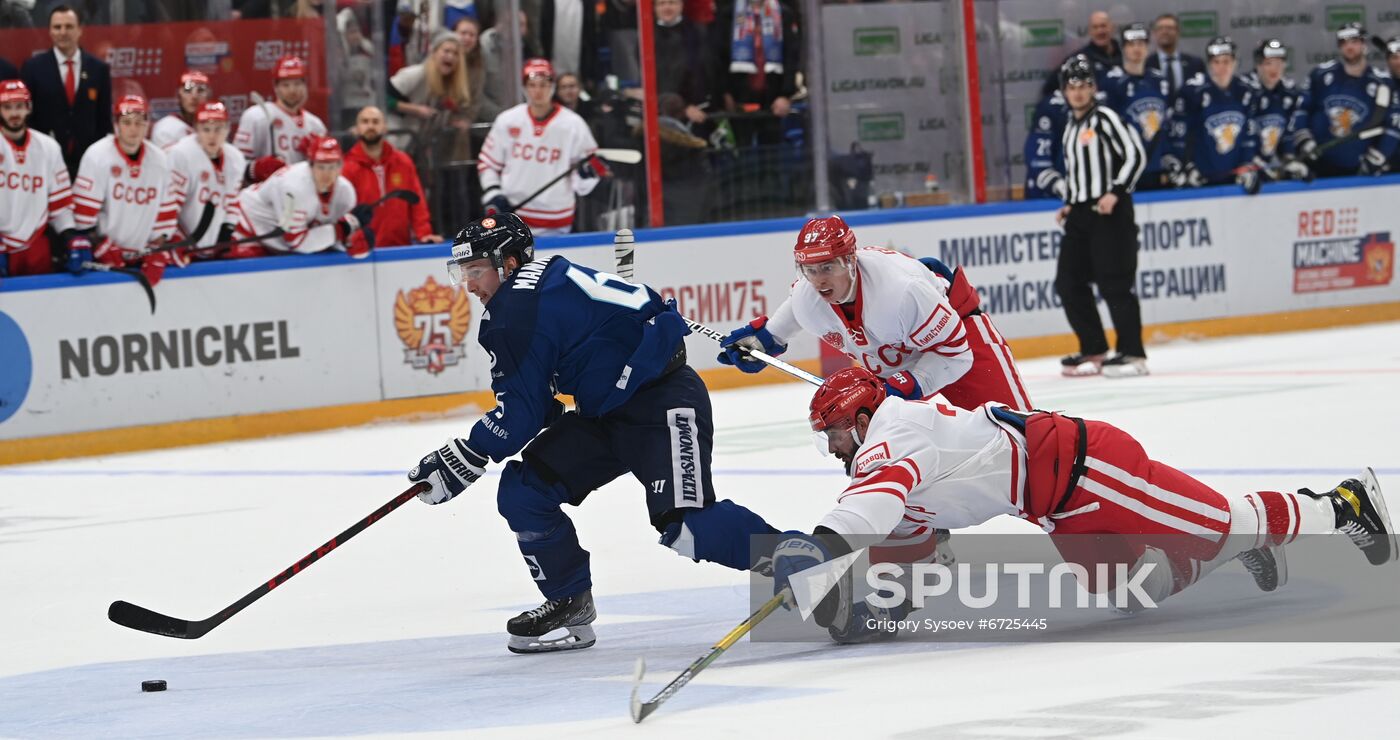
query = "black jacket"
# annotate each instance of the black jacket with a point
(90, 116)
(1190, 67)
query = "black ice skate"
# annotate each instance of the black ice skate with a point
(944, 555)
(1362, 516)
(529, 630)
(1268, 566)
(1080, 365)
(1124, 366)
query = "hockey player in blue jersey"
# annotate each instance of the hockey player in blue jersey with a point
(1278, 114)
(1346, 98)
(1142, 97)
(1392, 60)
(552, 326)
(1043, 149)
(1213, 139)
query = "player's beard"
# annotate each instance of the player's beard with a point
(13, 129)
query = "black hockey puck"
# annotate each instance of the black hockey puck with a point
(156, 685)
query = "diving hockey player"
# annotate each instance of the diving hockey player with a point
(918, 465)
(552, 326)
(531, 144)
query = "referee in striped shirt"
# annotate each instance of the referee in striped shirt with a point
(1103, 159)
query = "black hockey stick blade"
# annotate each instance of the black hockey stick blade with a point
(140, 278)
(142, 619)
(407, 196)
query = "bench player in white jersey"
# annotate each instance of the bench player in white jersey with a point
(206, 170)
(279, 132)
(531, 144)
(311, 202)
(123, 189)
(916, 465)
(914, 323)
(193, 92)
(34, 190)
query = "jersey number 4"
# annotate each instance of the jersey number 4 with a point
(601, 286)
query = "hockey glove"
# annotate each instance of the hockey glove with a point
(497, 203)
(1051, 182)
(799, 553)
(753, 335)
(904, 385)
(79, 251)
(1297, 169)
(1373, 162)
(264, 167)
(226, 233)
(868, 624)
(360, 244)
(448, 470)
(1307, 150)
(794, 555)
(594, 167)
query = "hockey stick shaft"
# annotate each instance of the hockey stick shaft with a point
(139, 618)
(624, 254)
(640, 709)
(623, 156)
(137, 274)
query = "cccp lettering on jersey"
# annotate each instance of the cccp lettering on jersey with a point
(23, 182)
(128, 194)
(209, 195)
(536, 153)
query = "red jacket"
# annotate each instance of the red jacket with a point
(372, 179)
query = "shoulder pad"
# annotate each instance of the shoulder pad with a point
(1329, 64)
(1117, 72)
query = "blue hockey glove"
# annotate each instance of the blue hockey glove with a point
(868, 624)
(449, 470)
(79, 251)
(753, 335)
(497, 203)
(793, 555)
(904, 385)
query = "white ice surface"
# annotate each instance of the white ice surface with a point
(400, 632)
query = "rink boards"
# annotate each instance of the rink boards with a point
(245, 346)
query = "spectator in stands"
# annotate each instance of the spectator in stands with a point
(14, 14)
(681, 60)
(1177, 66)
(619, 29)
(357, 71)
(568, 35)
(376, 168)
(409, 35)
(1102, 51)
(192, 93)
(497, 71)
(431, 100)
(757, 65)
(569, 93)
(72, 89)
(483, 108)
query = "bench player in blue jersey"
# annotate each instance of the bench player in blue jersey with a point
(552, 326)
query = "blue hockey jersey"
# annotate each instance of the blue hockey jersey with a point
(1145, 101)
(1338, 105)
(1277, 116)
(1213, 129)
(554, 325)
(1043, 147)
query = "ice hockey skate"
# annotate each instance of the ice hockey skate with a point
(1080, 365)
(1124, 366)
(1268, 565)
(530, 630)
(1362, 516)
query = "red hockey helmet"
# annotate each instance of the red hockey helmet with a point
(537, 67)
(289, 67)
(130, 105)
(823, 239)
(14, 91)
(325, 149)
(844, 394)
(213, 110)
(193, 80)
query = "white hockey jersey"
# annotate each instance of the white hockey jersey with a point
(903, 321)
(521, 155)
(34, 190)
(169, 130)
(129, 200)
(926, 465)
(289, 199)
(196, 180)
(254, 137)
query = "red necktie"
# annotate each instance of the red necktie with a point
(70, 85)
(757, 82)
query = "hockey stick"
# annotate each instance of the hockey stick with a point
(261, 102)
(205, 218)
(140, 278)
(624, 252)
(140, 618)
(407, 196)
(619, 156)
(642, 709)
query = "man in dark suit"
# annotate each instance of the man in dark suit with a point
(72, 89)
(1178, 67)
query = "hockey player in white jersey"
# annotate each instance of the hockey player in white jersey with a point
(914, 323)
(123, 190)
(192, 93)
(312, 204)
(916, 465)
(530, 145)
(279, 132)
(34, 190)
(206, 170)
